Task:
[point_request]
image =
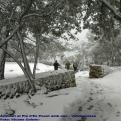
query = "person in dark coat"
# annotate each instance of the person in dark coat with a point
(75, 65)
(56, 65)
(67, 65)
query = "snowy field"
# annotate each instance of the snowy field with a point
(99, 97)
(13, 70)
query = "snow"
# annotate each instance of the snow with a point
(100, 97)
(13, 70)
(113, 81)
(82, 74)
(81, 38)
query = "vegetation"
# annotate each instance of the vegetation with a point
(53, 17)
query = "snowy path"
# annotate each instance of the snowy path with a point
(102, 98)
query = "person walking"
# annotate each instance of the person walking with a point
(75, 65)
(67, 65)
(56, 65)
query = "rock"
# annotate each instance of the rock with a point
(9, 112)
(5, 97)
(44, 90)
(17, 95)
(13, 92)
(3, 94)
(32, 93)
(96, 71)
(38, 87)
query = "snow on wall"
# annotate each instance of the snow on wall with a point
(52, 80)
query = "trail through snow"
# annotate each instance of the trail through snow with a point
(101, 98)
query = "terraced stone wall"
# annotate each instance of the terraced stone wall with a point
(52, 80)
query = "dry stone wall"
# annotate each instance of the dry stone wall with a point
(98, 71)
(52, 80)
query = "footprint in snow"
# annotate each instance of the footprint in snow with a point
(101, 90)
(91, 93)
(80, 108)
(109, 104)
(90, 107)
(33, 105)
(66, 94)
(117, 113)
(41, 103)
(89, 99)
(11, 70)
(96, 86)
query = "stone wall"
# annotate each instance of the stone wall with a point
(98, 71)
(52, 80)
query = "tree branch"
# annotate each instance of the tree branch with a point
(26, 10)
(21, 66)
(9, 37)
(112, 9)
(32, 14)
(12, 56)
(36, 54)
(16, 29)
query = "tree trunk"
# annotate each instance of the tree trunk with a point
(4, 34)
(2, 62)
(21, 66)
(36, 54)
(120, 5)
(26, 64)
(25, 61)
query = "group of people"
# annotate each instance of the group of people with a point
(67, 65)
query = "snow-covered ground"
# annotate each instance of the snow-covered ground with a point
(99, 97)
(13, 70)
